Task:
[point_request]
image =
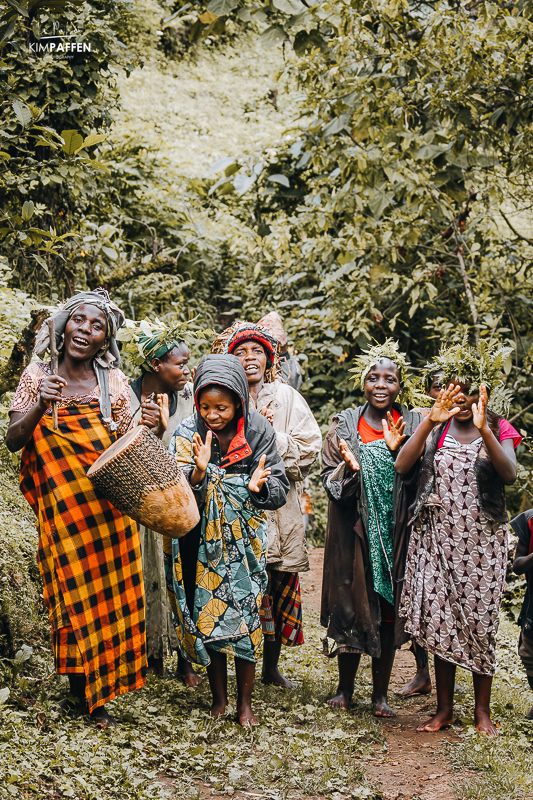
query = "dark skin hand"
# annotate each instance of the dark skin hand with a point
(468, 415)
(85, 335)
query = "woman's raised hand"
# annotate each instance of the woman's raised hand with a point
(348, 456)
(479, 409)
(201, 451)
(50, 389)
(259, 476)
(393, 431)
(443, 409)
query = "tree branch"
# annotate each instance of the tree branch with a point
(508, 221)
(523, 411)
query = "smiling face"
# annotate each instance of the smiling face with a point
(218, 407)
(382, 385)
(85, 333)
(253, 357)
(172, 369)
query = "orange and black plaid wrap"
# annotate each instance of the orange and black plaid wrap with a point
(89, 557)
(281, 611)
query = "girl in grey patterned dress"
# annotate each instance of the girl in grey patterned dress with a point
(457, 556)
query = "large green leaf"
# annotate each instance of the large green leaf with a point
(22, 113)
(273, 35)
(281, 179)
(289, 6)
(73, 141)
(243, 182)
(222, 7)
(92, 139)
(6, 30)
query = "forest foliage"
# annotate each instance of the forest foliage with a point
(398, 203)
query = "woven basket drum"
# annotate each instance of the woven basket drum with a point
(140, 477)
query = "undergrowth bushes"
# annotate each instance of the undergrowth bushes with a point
(23, 618)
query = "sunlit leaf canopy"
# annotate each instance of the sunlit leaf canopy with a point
(396, 204)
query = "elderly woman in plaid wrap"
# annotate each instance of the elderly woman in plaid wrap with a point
(89, 553)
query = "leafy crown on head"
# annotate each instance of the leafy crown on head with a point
(486, 364)
(132, 331)
(412, 393)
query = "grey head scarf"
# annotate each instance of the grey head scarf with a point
(106, 359)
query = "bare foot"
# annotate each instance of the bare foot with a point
(246, 717)
(484, 724)
(103, 719)
(341, 700)
(440, 720)
(529, 714)
(274, 676)
(218, 707)
(188, 675)
(421, 684)
(382, 708)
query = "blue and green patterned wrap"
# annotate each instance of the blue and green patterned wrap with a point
(231, 567)
(222, 612)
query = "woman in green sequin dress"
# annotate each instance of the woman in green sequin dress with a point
(358, 588)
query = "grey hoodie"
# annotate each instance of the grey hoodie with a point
(259, 435)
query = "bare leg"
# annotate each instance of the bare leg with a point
(270, 672)
(482, 690)
(445, 680)
(381, 672)
(348, 666)
(217, 672)
(245, 672)
(421, 683)
(99, 715)
(76, 696)
(187, 673)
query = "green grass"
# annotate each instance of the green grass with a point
(168, 746)
(502, 768)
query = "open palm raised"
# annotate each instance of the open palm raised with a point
(443, 409)
(393, 431)
(260, 476)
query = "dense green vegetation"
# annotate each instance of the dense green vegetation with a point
(363, 167)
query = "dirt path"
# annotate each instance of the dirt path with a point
(415, 766)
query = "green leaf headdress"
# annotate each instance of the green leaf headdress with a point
(485, 364)
(412, 393)
(143, 341)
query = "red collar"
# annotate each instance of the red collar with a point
(239, 448)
